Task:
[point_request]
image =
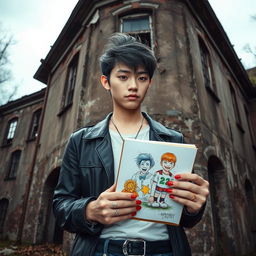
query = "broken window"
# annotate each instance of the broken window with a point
(70, 82)
(10, 131)
(3, 211)
(14, 165)
(34, 127)
(139, 26)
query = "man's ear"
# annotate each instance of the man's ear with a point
(104, 82)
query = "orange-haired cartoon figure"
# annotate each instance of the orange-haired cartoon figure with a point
(159, 187)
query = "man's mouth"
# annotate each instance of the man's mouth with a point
(132, 96)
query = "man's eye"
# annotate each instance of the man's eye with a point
(123, 78)
(143, 78)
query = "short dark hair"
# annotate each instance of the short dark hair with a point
(145, 157)
(124, 48)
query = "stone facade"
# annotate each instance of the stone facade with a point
(15, 181)
(200, 88)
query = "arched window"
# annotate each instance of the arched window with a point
(221, 206)
(10, 131)
(34, 126)
(13, 165)
(3, 210)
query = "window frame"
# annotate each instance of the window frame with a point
(70, 83)
(35, 122)
(132, 16)
(207, 69)
(8, 141)
(235, 106)
(249, 124)
(13, 165)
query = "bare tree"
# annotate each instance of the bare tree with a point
(7, 91)
(253, 17)
(248, 48)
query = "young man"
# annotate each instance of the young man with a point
(85, 201)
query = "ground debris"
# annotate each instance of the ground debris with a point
(34, 250)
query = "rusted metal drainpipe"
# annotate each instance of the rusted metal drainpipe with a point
(31, 173)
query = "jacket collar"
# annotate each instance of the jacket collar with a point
(101, 128)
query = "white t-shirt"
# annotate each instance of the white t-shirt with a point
(149, 231)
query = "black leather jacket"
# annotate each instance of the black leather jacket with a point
(87, 170)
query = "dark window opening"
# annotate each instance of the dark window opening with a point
(249, 123)
(207, 70)
(235, 107)
(3, 211)
(14, 165)
(70, 82)
(251, 205)
(34, 127)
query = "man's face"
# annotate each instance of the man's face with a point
(144, 166)
(128, 87)
(167, 165)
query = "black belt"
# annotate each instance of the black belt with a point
(135, 246)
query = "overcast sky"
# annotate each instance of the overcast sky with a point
(35, 25)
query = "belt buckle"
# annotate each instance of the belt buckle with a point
(125, 247)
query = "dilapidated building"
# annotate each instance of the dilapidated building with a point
(19, 128)
(200, 88)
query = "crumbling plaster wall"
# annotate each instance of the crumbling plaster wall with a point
(14, 190)
(220, 131)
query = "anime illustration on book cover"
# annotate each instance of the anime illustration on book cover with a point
(151, 188)
(147, 169)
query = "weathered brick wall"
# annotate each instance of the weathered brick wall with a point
(15, 190)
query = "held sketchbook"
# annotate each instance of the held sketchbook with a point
(145, 167)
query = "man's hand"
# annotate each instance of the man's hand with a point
(189, 189)
(111, 207)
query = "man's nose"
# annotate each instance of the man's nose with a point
(133, 84)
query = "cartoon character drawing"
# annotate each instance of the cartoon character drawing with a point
(130, 187)
(159, 188)
(143, 177)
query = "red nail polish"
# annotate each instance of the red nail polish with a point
(168, 190)
(133, 196)
(169, 183)
(177, 176)
(138, 207)
(171, 196)
(133, 213)
(138, 202)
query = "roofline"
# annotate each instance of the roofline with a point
(23, 101)
(77, 21)
(222, 44)
(201, 9)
